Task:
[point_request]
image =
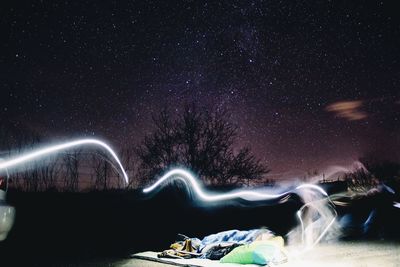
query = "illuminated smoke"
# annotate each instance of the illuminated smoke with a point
(39, 153)
(317, 220)
(316, 216)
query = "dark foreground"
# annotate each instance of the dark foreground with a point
(341, 254)
(64, 229)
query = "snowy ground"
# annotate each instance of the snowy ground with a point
(350, 254)
(360, 254)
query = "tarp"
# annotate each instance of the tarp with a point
(152, 256)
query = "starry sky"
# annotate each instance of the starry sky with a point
(309, 83)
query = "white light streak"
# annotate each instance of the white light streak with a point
(313, 186)
(250, 195)
(299, 214)
(8, 163)
(244, 194)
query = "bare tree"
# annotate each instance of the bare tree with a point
(15, 139)
(70, 180)
(360, 181)
(382, 169)
(203, 142)
(31, 177)
(101, 171)
(48, 174)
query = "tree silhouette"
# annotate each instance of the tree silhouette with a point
(382, 169)
(360, 180)
(70, 180)
(202, 142)
(101, 171)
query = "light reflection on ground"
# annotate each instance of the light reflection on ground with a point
(356, 254)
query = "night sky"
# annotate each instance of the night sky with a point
(309, 83)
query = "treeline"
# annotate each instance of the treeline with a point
(203, 142)
(72, 171)
(374, 172)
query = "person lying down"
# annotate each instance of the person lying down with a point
(256, 246)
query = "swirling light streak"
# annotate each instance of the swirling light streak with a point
(313, 186)
(244, 194)
(8, 163)
(299, 214)
(247, 195)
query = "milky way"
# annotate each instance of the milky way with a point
(309, 85)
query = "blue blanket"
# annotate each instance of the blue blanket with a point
(234, 236)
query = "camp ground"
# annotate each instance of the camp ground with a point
(349, 254)
(178, 222)
(221, 133)
(342, 254)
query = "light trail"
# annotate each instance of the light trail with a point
(244, 194)
(7, 176)
(180, 174)
(300, 213)
(249, 195)
(8, 163)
